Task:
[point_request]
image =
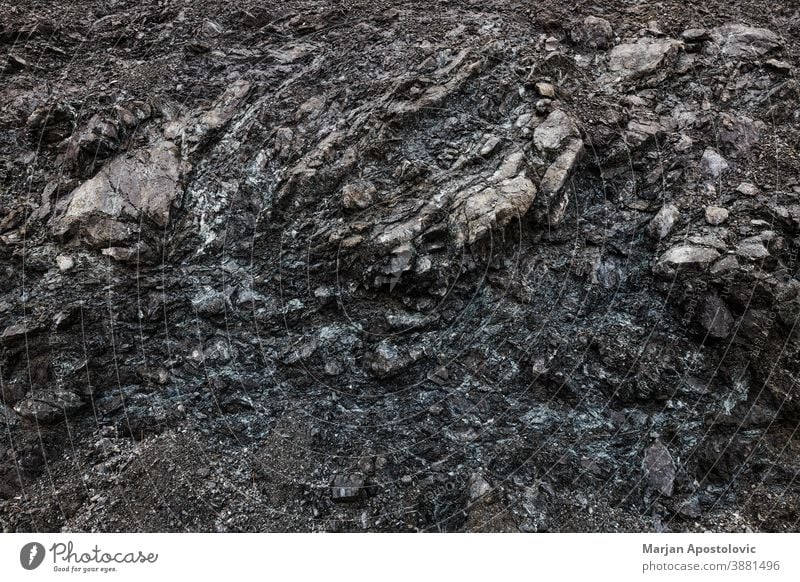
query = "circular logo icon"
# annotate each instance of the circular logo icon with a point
(31, 556)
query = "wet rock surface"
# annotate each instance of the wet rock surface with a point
(477, 267)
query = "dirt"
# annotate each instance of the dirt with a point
(371, 266)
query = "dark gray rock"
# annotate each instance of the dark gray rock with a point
(695, 35)
(716, 318)
(478, 487)
(145, 184)
(659, 469)
(388, 359)
(739, 134)
(593, 32)
(554, 197)
(210, 303)
(348, 487)
(15, 332)
(49, 407)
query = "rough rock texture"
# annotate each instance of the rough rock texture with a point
(358, 266)
(593, 32)
(643, 57)
(662, 223)
(740, 40)
(143, 185)
(713, 164)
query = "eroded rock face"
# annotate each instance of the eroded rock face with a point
(49, 407)
(145, 185)
(348, 488)
(367, 262)
(686, 256)
(752, 248)
(142, 185)
(554, 196)
(51, 122)
(493, 207)
(480, 209)
(642, 58)
(555, 131)
(739, 40)
(358, 195)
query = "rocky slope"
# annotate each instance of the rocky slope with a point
(482, 266)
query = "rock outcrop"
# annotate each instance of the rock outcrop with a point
(365, 267)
